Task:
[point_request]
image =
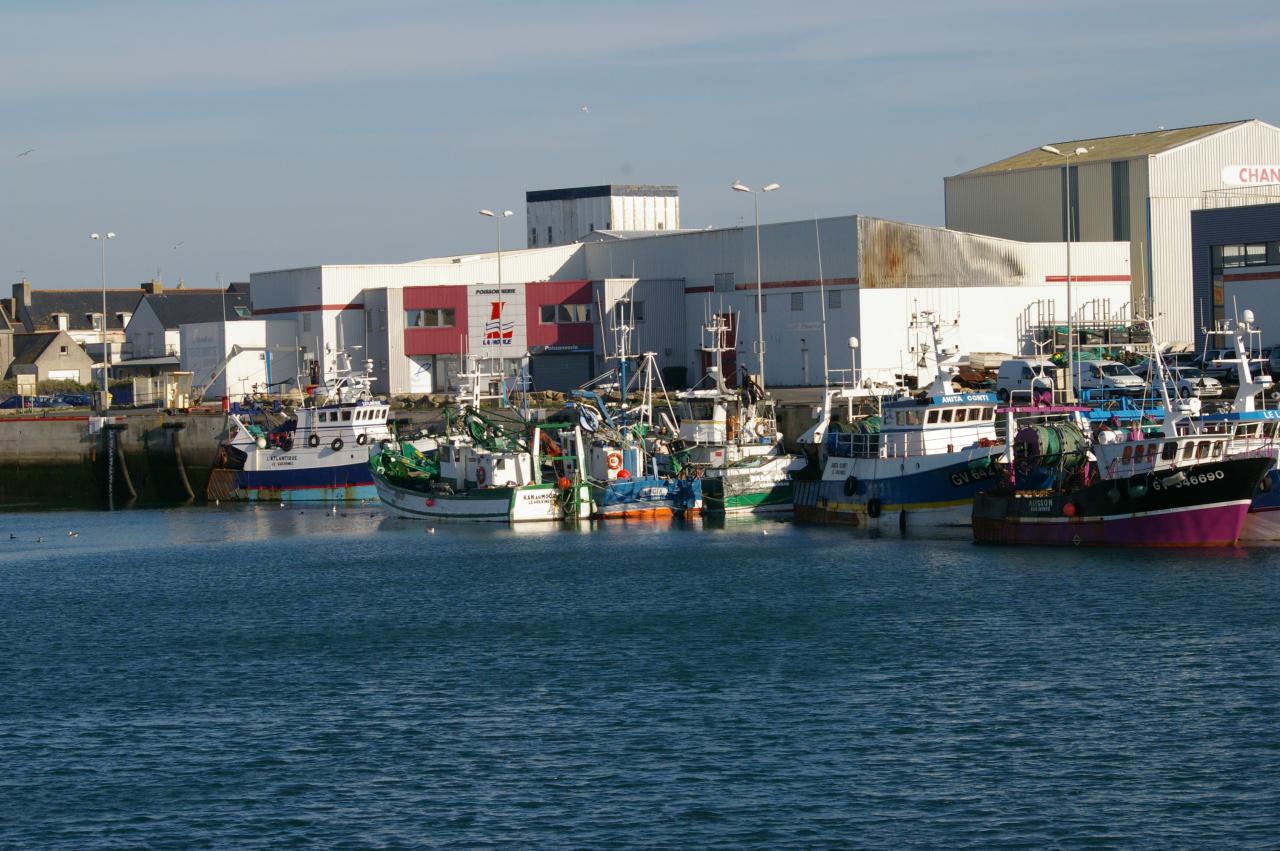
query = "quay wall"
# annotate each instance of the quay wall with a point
(147, 458)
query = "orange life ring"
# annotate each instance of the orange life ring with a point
(614, 460)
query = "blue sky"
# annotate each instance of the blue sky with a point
(233, 137)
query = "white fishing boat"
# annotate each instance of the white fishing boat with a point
(918, 462)
(731, 438)
(319, 453)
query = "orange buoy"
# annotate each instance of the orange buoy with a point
(564, 483)
(1069, 509)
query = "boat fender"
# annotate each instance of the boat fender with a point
(313, 441)
(873, 507)
(336, 446)
(1069, 509)
(1265, 485)
(851, 486)
(286, 443)
(902, 521)
(362, 439)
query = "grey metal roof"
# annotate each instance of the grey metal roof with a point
(5, 324)
(183, 307)
(1105, 148)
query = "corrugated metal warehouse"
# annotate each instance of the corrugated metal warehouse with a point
(1139, 188)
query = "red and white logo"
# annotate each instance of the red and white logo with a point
(496, 331)
(1251, 175)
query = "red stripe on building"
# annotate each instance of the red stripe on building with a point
(302, 308)
(799, 285)
(1253, 276)
(1087, 279)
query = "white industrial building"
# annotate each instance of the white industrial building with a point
(835, 278)
(205, 347)
(1137, 189)
(562, 216)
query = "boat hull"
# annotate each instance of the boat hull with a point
(522, 504)
(767, 487)
(646, 496)
(301, 474)
(860, 492)
(1208, 509)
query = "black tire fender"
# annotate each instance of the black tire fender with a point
(851, 486)
(362, 439)
(336, 445)
(873, 507)
(313, 441)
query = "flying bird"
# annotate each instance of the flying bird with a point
(32, 150)
(584, 109)
(179, 243)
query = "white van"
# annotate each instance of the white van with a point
(1018, 378)
(1113, 377)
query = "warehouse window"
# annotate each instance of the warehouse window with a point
(533, 236)
(762, 303)
(724, 282)
(1120, 201)
(833, 299)
(564, 314)
(306, 322)
(797, 301)
(628, 311)
(549, 240)
(431, 317)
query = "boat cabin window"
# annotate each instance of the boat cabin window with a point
(910, 418)
(1128, 453)
(1202, 449)
(1217, 449)
(962, 414)
(1170, 451)
(947, 414)
(697, 411)
(324, 416)
(1188, 450)
(346, 416)
(1269, 429)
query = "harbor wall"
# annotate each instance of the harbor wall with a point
(74, 462)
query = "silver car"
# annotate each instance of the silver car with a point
(1188, 381)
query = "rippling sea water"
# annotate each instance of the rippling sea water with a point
(264, 678)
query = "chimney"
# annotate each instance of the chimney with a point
(22, 294)
(153, 287)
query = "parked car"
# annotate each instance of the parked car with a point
(1110, 376)
(1017, 379)
(1210, 365)
(74, 400)
(1188, 381)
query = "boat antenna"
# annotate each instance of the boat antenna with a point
(822, 303)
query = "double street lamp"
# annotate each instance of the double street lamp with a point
(106, 354)
(497, 220)
(1071, 342)
(739, 186)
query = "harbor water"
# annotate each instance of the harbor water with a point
(268, 677)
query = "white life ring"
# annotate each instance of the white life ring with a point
(480, 475)
(762, 429)
(614, 460)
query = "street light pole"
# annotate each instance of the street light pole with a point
(106, 354)
(1071, 337)
(739, 186)
(497, 220)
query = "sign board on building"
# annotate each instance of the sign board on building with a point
(26, 384)
(496, 321)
